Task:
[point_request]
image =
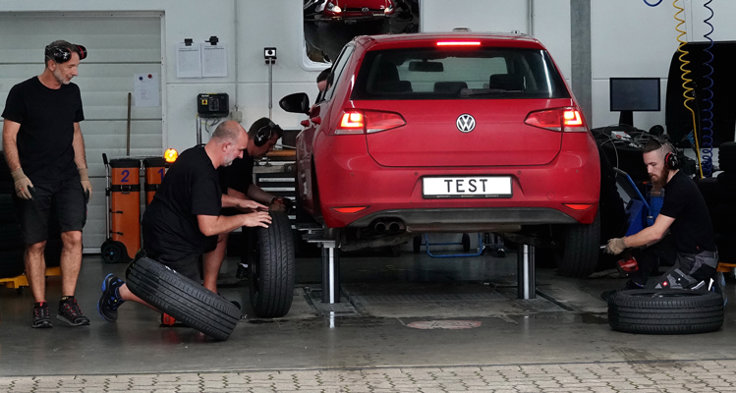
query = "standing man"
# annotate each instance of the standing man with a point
(236, 181)
(685, 215)
(44, 150)
(183, 220)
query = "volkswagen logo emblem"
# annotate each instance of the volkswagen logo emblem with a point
(465, 123)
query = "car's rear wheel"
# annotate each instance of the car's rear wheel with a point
(272, 275)
(578, 256)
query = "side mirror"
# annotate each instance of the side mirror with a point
(295, 103)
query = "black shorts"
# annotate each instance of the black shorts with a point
(190, 266)
(61, 205)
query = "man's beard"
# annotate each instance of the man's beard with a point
(661, 179)
(59, 77)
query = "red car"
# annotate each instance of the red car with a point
(451, 132)
(347, 9)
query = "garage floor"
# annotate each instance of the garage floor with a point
(405, 323)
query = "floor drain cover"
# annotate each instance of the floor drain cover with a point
(444, 324)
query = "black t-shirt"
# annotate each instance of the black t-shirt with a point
(46, 118)
(238, 176)
(190, 188)
(692, 229)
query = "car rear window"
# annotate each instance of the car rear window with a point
(434, 73)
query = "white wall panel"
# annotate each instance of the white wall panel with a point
(480, 16)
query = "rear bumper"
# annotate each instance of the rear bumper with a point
(468, 219)
(348, 177)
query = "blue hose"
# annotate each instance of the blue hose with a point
(652, 5)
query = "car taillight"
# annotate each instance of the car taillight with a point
(558, 119)
(355, 121)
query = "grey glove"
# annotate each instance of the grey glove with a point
(615, 246)
(23, 185)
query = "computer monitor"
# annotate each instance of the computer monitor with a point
(634, 94)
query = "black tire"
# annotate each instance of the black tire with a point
(272, 275)
(114, 252)
(11, 263)
(182, 298)
(727, 156)
(665, 311)
(466, 242)
(416, 244)
(580, 249)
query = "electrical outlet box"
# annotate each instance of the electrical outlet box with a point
(213, 105)
(236, 116)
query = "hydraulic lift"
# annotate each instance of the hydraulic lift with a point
(526, 277)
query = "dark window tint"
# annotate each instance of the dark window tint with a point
(337, 70)
(429, 73)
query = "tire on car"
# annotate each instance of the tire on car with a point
(183, 298)
(580, 250)
(665, 311)
(272, 274)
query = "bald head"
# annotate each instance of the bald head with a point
(228, 131)
(227, 143)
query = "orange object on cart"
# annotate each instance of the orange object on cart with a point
(125, 205)
(155, 168)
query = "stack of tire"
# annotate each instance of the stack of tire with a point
(11, 241)
(665, 311)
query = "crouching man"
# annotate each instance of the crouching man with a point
(183, 220)
(685, 215)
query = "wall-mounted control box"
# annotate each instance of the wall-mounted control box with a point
(213, 105)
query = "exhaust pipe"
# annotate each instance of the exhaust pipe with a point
(394, 227)
(387, 226)
(379, 227)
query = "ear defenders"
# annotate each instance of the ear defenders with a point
(264, 134)
(61, 54)
(671, 161)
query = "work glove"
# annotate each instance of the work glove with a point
(86, 184)
(615, 246)
(23, 185)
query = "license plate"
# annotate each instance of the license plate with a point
(467, 187)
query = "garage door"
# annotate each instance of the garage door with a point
(120, 47)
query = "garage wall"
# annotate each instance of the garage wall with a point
(630, 38)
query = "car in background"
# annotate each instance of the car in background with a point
(353, 9)
(450, 132)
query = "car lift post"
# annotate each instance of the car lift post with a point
(525, 272)
(330, 272)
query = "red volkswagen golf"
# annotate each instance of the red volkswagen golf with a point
(452, 132)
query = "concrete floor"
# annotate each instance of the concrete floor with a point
(389, 305)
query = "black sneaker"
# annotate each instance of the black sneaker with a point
(70, 313)
(110, 299)
(41, 316)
